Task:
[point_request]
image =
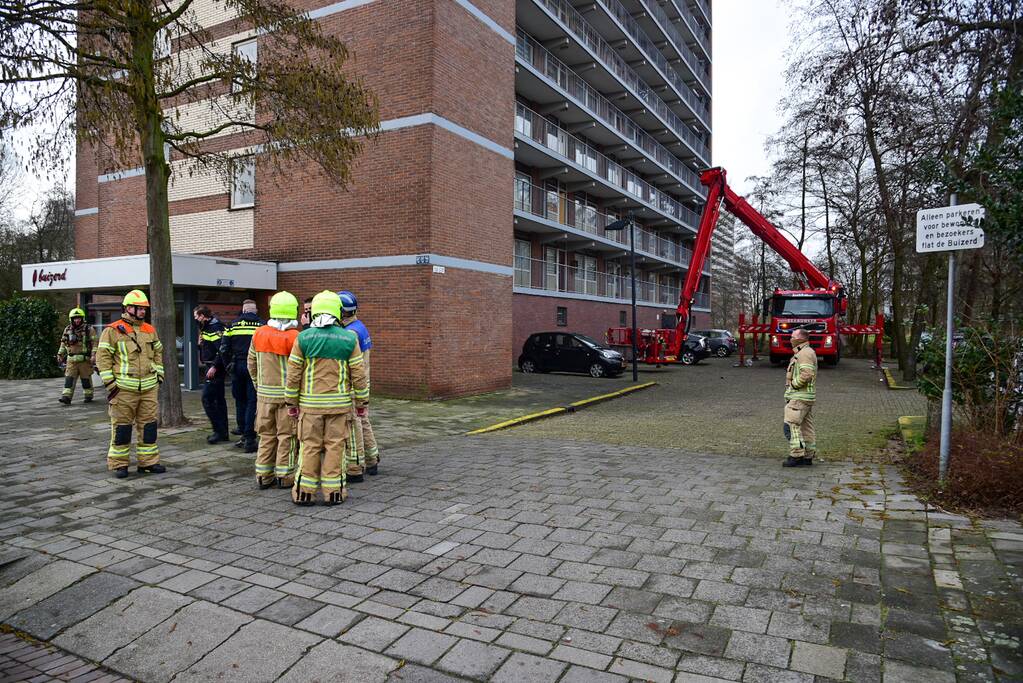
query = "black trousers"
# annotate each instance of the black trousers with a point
(244, 393)
(214, 403)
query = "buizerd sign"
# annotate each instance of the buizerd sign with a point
(46, 278)
(949, 228)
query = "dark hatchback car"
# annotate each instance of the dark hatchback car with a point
(695, 349)
(721, 342)
(569, 352)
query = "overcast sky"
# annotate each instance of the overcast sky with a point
(750, 38)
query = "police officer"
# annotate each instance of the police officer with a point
(800, 394)
(129, 357)
(234, 354)
(75, 356)
(326, 380)
(367, 454)
(211, 332)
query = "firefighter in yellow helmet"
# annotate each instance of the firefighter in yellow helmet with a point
(75, 355)
(130, 362)
(326, 381)
(268, 366)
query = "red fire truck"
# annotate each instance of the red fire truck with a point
(817, 306)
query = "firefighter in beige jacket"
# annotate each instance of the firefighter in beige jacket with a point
(268, 362)
(326, 382)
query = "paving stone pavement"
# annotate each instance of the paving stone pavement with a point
(504, 559)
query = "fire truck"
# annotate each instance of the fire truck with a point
(817, 305)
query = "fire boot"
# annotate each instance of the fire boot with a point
(152, 469)
(266, 482)
(66, 400)
(354, 474)
(793, 462)
(303, 498)
(336, 497)
(121, 472)
(372, 470)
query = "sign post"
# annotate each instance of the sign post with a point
(948, 229)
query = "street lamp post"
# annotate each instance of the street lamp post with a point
(620, 225)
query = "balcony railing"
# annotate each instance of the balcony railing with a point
(555, 207)
(551, 136)
(650, 49)
(550, 276)
(591, 38)
(698, 27)
(696, 64)
(534, 54)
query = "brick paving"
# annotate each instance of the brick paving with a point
(496, 558)
(25, 660)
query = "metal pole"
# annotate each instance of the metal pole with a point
(632, 271)
(946, 394)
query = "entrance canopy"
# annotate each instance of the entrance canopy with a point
(124, 272)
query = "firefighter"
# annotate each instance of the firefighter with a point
(211, 333)
(75, 356)
(129, 357)
(234, 354)
(367, 454)
(800, 394)
(326, 379)
(267, 362)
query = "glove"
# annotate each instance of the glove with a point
(292, 411)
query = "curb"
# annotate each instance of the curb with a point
(889, 379)
(570, 408)
(912, 427)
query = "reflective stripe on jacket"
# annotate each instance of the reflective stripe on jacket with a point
(268, 361)
(130, 355)
(76, 343)
(234, 347)
(801, 375)
(326, 374)
(210, 336)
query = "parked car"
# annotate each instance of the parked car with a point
(569, 352)
(722, 343)
(694, 350)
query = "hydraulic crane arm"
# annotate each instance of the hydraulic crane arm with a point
(718, 191)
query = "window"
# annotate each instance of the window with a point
(245, 51)
(523, 193)
(243, 182)
(523, 264)
(162, 44)
(561, 317)
(623, 319)
(586, 275)
(552, 260)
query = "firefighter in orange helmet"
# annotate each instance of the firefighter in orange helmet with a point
(129, 357)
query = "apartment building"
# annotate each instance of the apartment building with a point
(512, 133)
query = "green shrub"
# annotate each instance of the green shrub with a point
(30, 331)
(986, 378)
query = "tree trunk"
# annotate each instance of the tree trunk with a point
(827, 225)
(161, 279)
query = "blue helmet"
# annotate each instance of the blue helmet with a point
(348, 301)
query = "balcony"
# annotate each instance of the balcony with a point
(545, 19)
(648, 48)
(653, 16)
(543, 138)
(553, 207)
(695, 27)
(539, 276)
(567, 81)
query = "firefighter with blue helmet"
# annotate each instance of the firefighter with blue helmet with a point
(365, 444)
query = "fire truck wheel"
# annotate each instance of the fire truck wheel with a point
(777, 360)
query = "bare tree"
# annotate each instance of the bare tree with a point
(119, 74)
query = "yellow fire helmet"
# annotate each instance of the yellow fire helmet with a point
(135, 297)
(327, 302)
(284, 306)
(75, 313)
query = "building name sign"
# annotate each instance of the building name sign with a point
(47, 278)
